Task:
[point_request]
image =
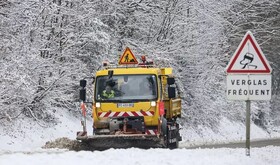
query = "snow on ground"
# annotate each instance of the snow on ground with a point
(229, 131)
(259, 156)
(25, 147)
(30, 136)
(27, 135)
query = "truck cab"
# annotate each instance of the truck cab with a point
(136, 101)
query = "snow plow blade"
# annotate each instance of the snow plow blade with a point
(103, 142)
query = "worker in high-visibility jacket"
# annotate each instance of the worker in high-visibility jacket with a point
(108, 92)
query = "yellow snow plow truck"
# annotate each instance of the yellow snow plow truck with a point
(134, 105)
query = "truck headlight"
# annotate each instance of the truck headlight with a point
(153, 104)
(97, 105)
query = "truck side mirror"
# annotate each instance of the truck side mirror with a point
(83, 83)
(170, 80)
(83, 94)
(171, 92)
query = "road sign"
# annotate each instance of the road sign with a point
(128, 58)
(249, 87)
(248, 58)
(249, 77)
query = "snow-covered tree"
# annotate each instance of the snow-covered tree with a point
(46, 47)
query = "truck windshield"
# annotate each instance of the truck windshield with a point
(123, 88)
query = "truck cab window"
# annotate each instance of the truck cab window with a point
(127, 87)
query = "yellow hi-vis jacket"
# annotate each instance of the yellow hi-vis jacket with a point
(108, 95)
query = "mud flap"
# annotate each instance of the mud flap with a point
(172, 136)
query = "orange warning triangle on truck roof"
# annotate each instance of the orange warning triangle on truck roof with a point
(127, 58)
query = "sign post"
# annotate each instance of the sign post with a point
(248, 77)
(248, 112)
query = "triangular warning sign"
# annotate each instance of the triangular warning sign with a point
(128, 57)
(248, 58)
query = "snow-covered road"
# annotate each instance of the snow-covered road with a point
(259, 156)
(237, 144)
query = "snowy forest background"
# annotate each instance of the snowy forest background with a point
(47, 46)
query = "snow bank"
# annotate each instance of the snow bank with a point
(27, 135)
(228, 131)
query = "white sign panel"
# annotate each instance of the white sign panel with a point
(248, 87)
